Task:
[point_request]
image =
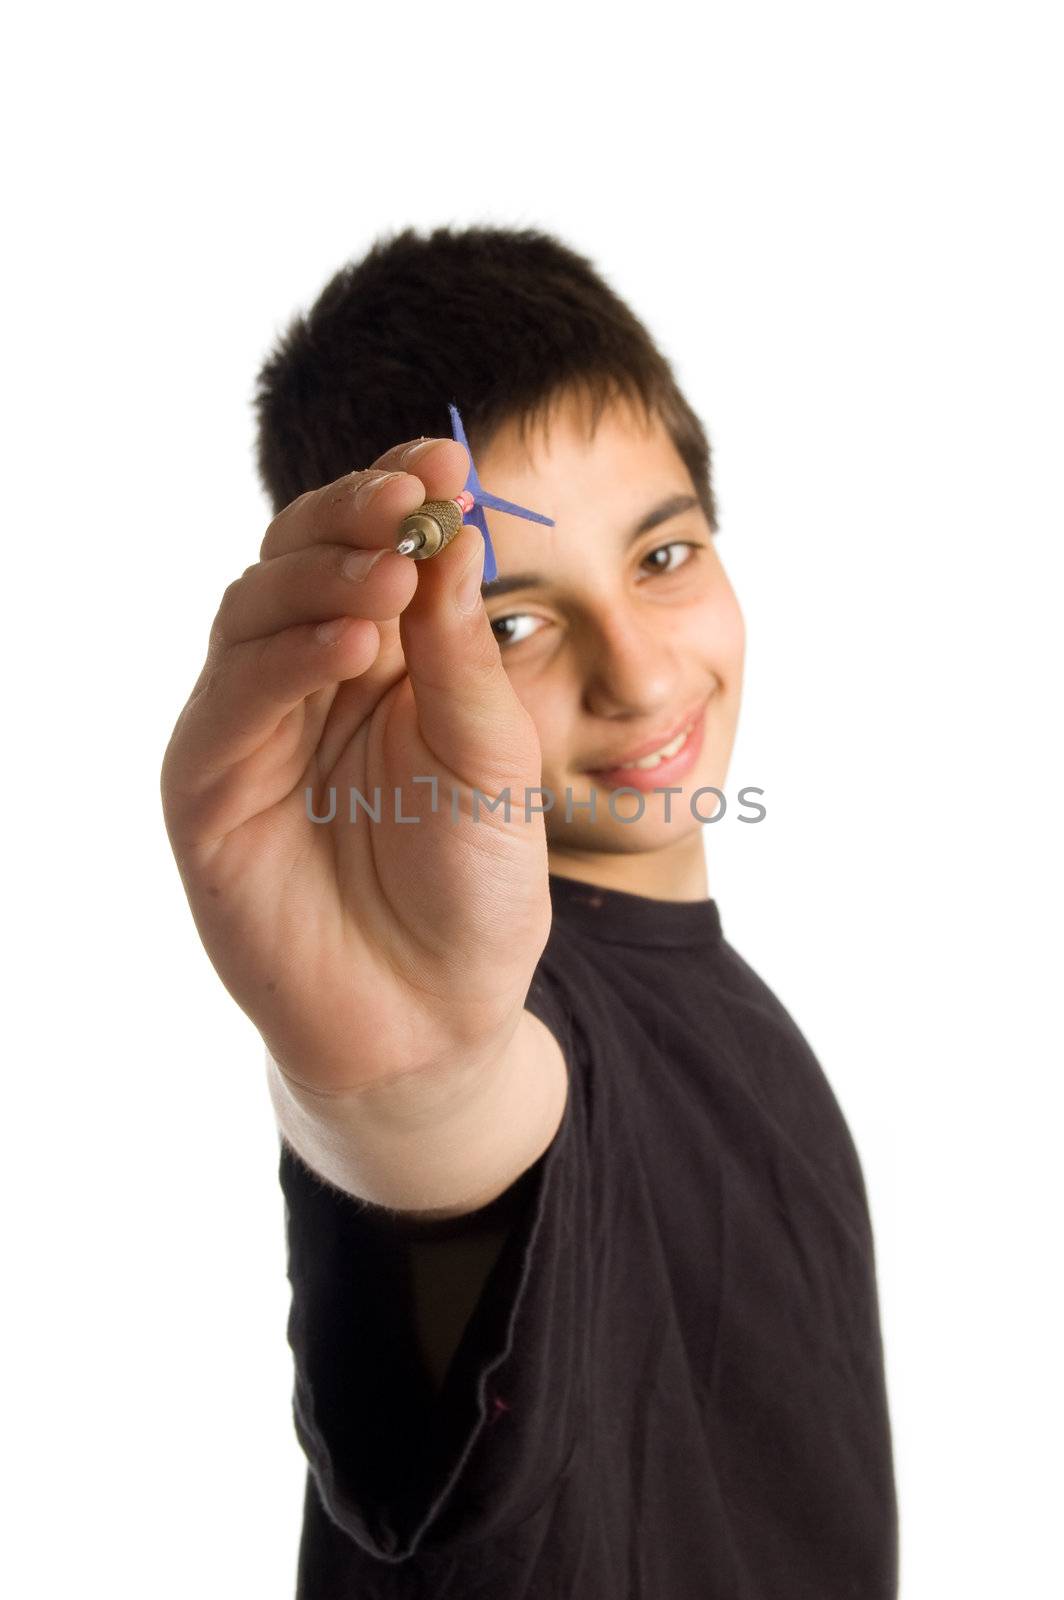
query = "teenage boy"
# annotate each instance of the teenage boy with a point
(583, 1282)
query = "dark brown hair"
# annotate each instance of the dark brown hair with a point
(502, 322)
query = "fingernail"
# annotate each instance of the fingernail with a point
(329, 632)
(416, 450)
(366, 491)
(467, 590)
(359, 563)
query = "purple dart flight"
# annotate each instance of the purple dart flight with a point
(482, 498)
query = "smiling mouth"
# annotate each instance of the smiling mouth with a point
(655, 758)
(648, 763)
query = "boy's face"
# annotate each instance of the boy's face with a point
(617, 640)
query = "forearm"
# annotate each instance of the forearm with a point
(445, 1140)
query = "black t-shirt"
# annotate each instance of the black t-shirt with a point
(672, 1385)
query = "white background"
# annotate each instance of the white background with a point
(841, 222)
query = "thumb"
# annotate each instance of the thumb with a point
(468, 712)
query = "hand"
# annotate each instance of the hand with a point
(361, 950)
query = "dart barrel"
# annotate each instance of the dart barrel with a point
(427, 530)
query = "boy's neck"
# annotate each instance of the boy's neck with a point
(675, 873)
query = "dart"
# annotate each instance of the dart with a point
(428, 530)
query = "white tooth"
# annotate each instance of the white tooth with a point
(649, 762)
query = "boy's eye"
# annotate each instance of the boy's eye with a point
(663, 549)
(508, 630)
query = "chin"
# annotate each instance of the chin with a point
(614, 835)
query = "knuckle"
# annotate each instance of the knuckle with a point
(274, 537)
(206, 690)
(227, 607)
(293, 507)
(230, 668)
(285, 515)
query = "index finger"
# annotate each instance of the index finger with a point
(364, 508)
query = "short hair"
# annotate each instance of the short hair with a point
(503, 322)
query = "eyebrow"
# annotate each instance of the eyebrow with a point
(661, 513)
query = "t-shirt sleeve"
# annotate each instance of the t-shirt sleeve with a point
(398, 1469)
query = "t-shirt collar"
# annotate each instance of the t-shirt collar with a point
(617, 917)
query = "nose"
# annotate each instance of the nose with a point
(630, 667)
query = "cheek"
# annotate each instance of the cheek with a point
(732, 631)
(716, 632)
(724, 628)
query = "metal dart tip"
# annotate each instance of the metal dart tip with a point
(407, 546)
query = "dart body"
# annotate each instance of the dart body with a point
(425, 531)
(432, 527)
